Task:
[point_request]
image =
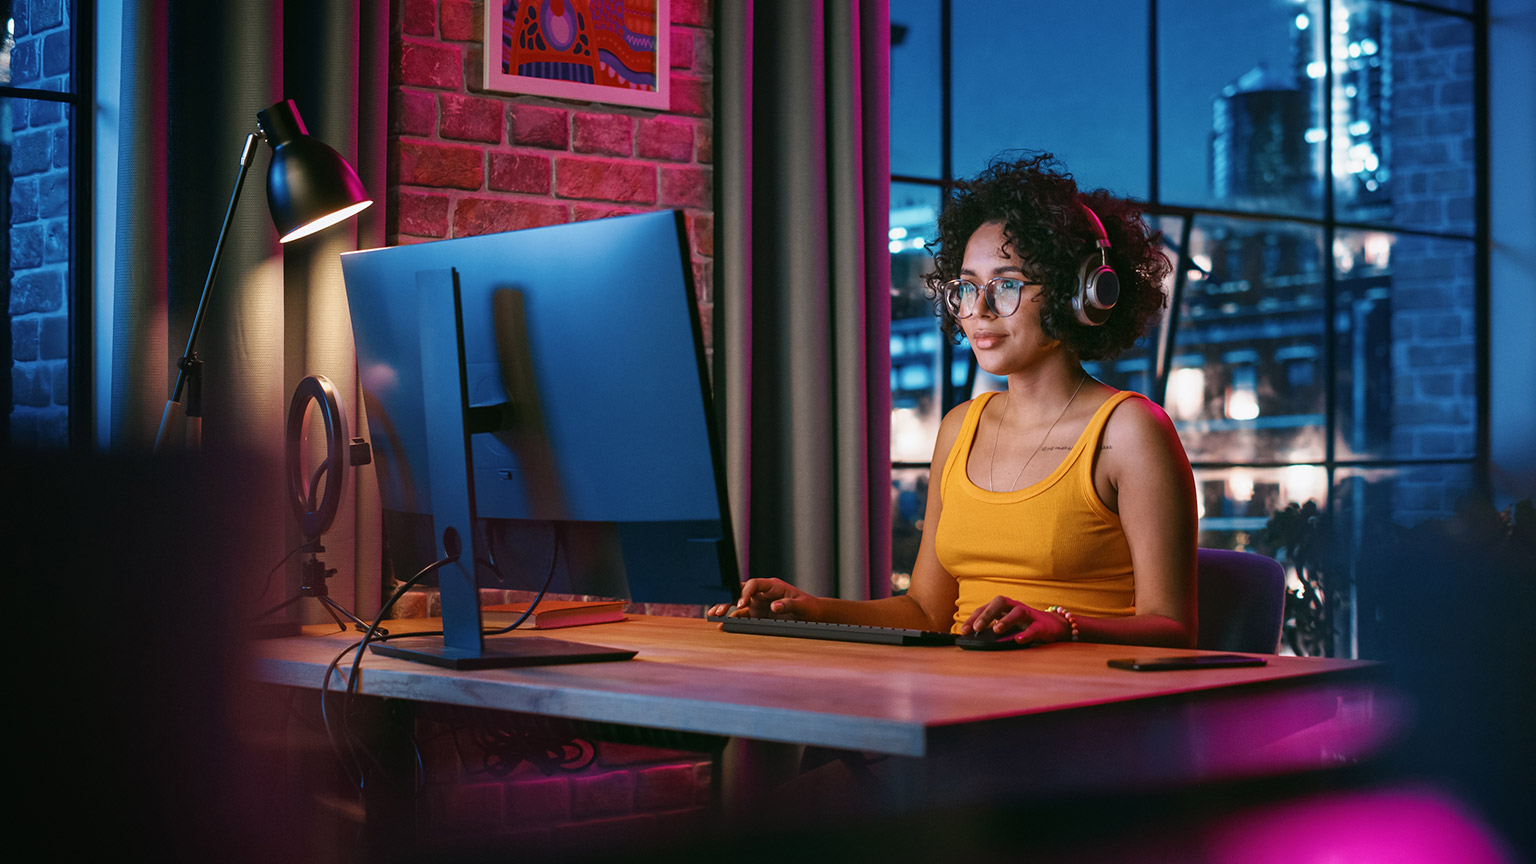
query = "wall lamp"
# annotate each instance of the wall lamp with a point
(309, 187)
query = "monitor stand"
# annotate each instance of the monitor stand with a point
(445, 394)
(501, 653)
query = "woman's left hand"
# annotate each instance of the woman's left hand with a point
(1004, 614)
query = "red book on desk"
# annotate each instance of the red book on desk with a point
(551, 614)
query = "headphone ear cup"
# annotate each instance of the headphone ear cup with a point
(1098, 289)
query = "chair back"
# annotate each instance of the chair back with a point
(1241, 601)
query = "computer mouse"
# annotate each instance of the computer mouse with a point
(989, 640)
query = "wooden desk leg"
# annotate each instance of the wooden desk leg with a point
(751, 770)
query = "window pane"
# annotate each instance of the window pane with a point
(1065, 77)
(1367, 503)
(1236, 503)
(39, 44)
(1247, 377)
(1402, 117)
(909, 501)
(1237, 111)
(1406, 355)
(915, 339)
(915, 91)
(35, 168)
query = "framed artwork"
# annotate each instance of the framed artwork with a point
(614, 51)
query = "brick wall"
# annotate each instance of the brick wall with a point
(463, 161)
(1434, 362)
(39, 237)
(618, 795)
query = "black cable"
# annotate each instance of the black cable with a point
(357, 777)
(355, 771)
(549, 578)
(268, 584)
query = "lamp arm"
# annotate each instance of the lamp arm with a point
(247, 157)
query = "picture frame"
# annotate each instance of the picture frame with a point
(588, 50)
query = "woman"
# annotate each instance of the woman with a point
(1064, 509)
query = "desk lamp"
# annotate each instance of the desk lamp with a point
(309, 187)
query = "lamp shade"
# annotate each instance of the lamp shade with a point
(309, 185)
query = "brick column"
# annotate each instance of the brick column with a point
(39, 238)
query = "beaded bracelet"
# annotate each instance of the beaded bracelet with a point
(1071, 621)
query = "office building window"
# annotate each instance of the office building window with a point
(41, 105)
(1314, 173)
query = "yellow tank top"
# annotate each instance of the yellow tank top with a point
(1053, 543)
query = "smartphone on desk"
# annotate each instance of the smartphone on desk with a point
(1192, 661)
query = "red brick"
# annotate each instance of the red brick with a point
(474, 68)
(435, 66)
(703, 282)
(608, 134)
(585, 212)
(423, 215)
(442, 165)
(701, 228)
(665, 138)
(691, 12)
(420, 17)
(472, 216)
(461, 20)
(536, 126)
(605, 180)
(540, 800)
(704, 772)
(521, 172)
(665, 787)
(476, 806)
(601, 837)
(706, 149)
(682, 48)
(469, 118)
(685, 186)
(415, 113)
(690, 96)
(613, 754)
(603, 794)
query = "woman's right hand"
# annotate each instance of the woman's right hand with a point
(770, 598)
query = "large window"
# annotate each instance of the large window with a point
(42, 147)
(1314, 173)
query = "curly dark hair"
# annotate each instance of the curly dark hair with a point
(1036, 200)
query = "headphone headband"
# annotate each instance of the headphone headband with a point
(1098, 226)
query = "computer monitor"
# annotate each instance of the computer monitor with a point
(548, 378)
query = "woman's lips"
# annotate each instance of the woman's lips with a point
(986, 338)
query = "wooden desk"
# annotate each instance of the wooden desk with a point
(964, 724)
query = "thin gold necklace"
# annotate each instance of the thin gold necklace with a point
(992, 464)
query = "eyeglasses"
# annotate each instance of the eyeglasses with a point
(1002, 296)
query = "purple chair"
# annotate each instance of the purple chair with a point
(1241, 600)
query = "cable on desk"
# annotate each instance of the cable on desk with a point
(355, 770)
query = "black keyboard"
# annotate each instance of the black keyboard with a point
(835, 632)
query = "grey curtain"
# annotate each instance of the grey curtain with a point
(803, 296)
(194, 76)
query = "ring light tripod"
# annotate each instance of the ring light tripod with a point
(315, 517)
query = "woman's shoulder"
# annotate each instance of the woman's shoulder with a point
(1139, 426)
